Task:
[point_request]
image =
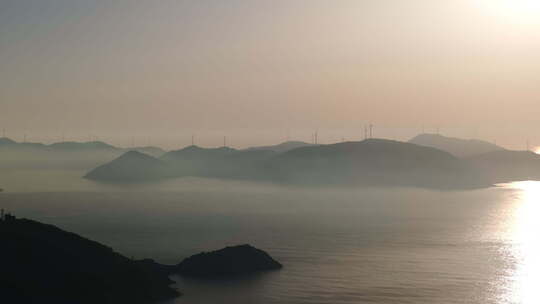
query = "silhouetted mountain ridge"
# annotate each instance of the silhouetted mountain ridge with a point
(43, 264)
(283, 147)
(75, 146)
(62, 155)
(6, 141)
(456, 146)
(195, 152)
(131, 166)
(223, 162)
(71, 145)
(370, 162)
(507, 166)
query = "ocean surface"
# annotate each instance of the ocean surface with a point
(338, 245)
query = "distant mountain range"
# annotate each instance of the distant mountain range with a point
(496, 164)
(428, 160)
(370, 162)
(456, 146)
(129, 167)
(87, 155)
(506, 166)
(62, 155)
(6, 143)
(283, 147)
(218, 162)
(221, 162)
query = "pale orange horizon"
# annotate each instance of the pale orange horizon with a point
(260, 72)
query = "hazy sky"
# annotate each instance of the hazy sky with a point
(255, 70)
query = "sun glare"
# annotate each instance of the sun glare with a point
(515, 11)
(526, 244)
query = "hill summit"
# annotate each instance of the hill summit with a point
(371, 162)
(130, 166)
(456, 146)
(283, 147)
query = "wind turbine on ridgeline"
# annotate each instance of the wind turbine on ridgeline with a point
(365, 132)
(368, 131)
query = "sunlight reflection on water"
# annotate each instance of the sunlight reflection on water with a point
(380, 246)
(524, 227)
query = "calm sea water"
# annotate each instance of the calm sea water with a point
(337, 245)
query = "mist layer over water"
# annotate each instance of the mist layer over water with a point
(391, 245)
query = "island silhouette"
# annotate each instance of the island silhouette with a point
(455, 146)
(62, 155)
(43, 264)
(372, 162)
(427, 160)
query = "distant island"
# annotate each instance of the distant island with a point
(62, 155)
(283, 147)
(455, 146)
(428, 161)
(374, 162)
(229, 261)
(494, 163)
(129, 167)
(9, 144)
(43, 264)
(506, 166)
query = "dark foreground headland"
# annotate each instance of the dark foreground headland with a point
(43, 264)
